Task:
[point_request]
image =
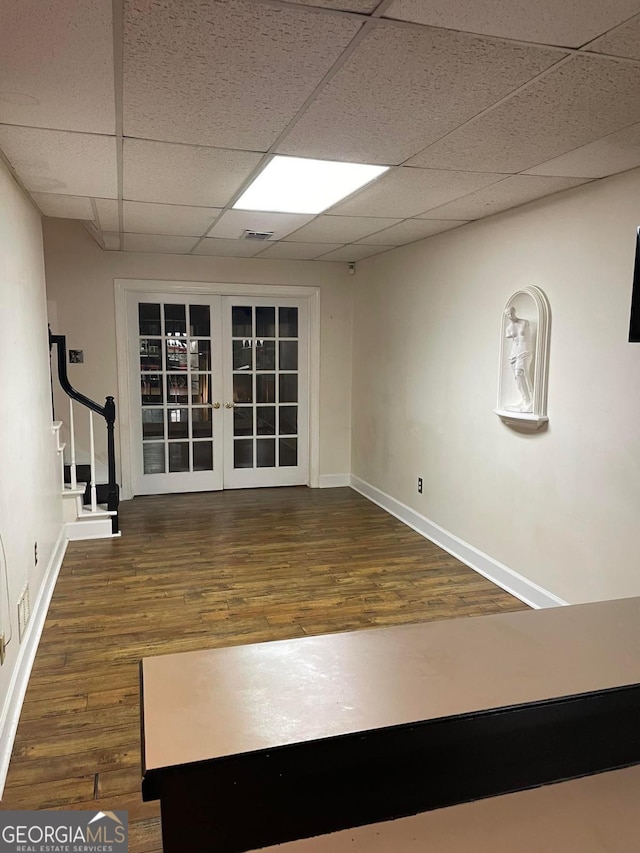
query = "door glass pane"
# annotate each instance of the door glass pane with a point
(265, 388)
(288, 322)
(288, 355)
(201, 425)
(243, 453)
(150, 354)
(177, 391)
(266, 452)
(176, 354)
(242, 392)
(151, 389)
(265, 355)
(179, 457)
(288, 420)
(200, 355)
(288, 452)
(153, 457)
(149, 318)
(178, 423)
(152, 423)
(243, 421)
(203, 456)
(265, 322)
(266, 418)
(241, 322)
(199, 321)
(288, 387)
(242, 355)
(201, 389)
(176, 350)
(175, 320)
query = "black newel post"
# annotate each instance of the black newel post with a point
(112, 490)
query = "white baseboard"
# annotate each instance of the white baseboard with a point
(332, 481)
(26, 657)
(527, 591)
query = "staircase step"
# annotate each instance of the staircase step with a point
(101, 512)
(79, 490)
(83, 472)
(95, 528)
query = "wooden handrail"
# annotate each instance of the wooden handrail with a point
(61, 347)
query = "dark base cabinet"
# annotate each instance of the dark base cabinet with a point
(247, 801)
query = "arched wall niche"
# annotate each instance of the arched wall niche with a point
(524, 360)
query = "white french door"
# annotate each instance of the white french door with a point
(266, 392)
(219, 392)
(175, 355)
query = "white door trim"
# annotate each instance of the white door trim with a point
(125, 286)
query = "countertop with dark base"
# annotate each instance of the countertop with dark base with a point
(289, 739)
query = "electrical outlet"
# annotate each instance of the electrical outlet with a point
(35, 553)
(3, 649)
(419, 485)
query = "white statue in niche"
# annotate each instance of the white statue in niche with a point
(520, 358)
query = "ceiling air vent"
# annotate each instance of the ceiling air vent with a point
(257, 235)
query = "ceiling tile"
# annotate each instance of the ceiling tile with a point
(405, 87)
(234, 223)
(202, 74)
(405, 192)
(52, 161)
(298, 251)
(615, 153)
(157, 243)
(229, 248)
(184, 174)
(623, 41)
(111, 241)
(570, 23)
(64, 206)
(57, 65)
(353, 253)
(364, 6)
(341, 229)
(108, 217)
(513, 191)
(144, 218)
(576, 103)
(411, 230)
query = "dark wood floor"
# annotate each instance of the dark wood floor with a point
(201, 571)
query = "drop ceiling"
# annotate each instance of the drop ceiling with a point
(147, 119)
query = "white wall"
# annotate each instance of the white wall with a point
(30, 500)
(561, 508)
(80, 285)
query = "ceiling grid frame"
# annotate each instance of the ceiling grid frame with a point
(622, 151)
(342, 59)
(118, 82)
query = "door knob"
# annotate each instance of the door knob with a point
(215, 405)
(229, 405)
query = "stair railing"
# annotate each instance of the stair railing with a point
(108, 412)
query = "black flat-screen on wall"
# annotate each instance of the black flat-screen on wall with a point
(634, 325)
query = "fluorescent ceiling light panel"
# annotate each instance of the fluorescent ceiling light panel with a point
(299, 185)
